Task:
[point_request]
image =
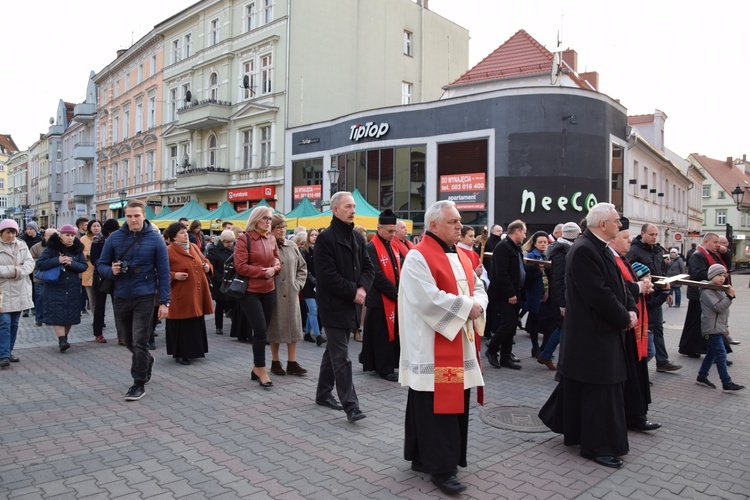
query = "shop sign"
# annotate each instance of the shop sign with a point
(81, 209)
(305, 142)
(467, 191)
(180, 199)
(677, 236)
(314, 192)
(370, 129)
(528, 201)
(252, 193)
(153, 201)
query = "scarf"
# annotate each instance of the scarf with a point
(641, 329)
(384, 259)
(402, 247)
(449, 363)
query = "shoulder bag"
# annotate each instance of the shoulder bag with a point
(49, 275)
(107, 285)
(233, 284)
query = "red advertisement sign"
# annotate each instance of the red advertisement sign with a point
(252, 193)
(314, 192)
(468, 191)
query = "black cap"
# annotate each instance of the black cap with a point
(387, 217)
(625, 223)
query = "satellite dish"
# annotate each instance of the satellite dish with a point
(188, 96)
(555, 71)
(185, 161)
(51, 121)
(246, 81)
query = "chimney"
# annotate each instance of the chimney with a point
(730, 161)
(120, 52)
(570, 57)
(592, 77)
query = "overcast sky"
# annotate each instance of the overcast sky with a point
(684, 58)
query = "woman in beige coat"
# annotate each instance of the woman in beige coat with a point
(16, 264)
(286, 320)
(93, 228)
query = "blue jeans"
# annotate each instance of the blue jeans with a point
(551, 345)
(8, 332)
(715, 351)
(677, 296)
(39, 302)
(651, 348)
(312, 317)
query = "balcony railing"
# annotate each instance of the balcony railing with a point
(84, 112)
(202, 178)
(200, 170)
(208, 113)
(83, 151)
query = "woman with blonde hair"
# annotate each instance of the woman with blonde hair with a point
(286, 320)
(256, 256)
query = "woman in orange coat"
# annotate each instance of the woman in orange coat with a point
(190, 297)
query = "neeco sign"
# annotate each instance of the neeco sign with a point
(528, 200)
(369, 129)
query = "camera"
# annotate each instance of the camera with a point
(124, 266)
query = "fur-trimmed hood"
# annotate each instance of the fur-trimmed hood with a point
(55, 243)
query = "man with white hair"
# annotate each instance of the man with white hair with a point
(588, 406)
(439, 300)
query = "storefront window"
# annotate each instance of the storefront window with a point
(307, 173)
(467, 157)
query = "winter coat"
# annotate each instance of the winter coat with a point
(263, 253)
(217, 256)
(308, 291)
(675, 267)
(556, 253)
(596, 315)
(191, 298)
(651, 256)
(88, 275)
(341, 267)
(16, 264)
(286, 320)
(62, 299)
(714, 311)
(534, 284)
(505, 275)
(30, 242)
(698, 266)
(147, 258)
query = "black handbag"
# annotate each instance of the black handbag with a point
(233, 284)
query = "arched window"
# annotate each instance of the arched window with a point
(212, 151)
(214, 86)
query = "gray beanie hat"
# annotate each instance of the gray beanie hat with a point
(715, 270)
(571, 230)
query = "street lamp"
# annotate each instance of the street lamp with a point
(57, 209)
(123, 197)
(738, 194)
(333, 176)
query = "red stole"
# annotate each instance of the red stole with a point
(641, 329)
(385, 265)
(402, 247)
(449, 359)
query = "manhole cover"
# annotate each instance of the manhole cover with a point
(514, 418)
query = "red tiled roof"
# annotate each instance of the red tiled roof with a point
(69, 108)
(640, 119)
(726, 174)
(519, 55)
(7, 143)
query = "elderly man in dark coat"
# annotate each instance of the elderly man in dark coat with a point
(344, 273)
(587, 406)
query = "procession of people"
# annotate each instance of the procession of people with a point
(427, 308)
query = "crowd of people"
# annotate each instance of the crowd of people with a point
(420, 310)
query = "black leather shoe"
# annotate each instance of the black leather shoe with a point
(448, 483)
(514, 358)
(645, 426)
(354, 415)
(13, 359)
(183, 361)
(330, 402)
(509, 363)
(309, 338)
(391, 377)
(605, 460)
(493, 359)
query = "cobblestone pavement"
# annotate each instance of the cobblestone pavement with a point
(207, 431)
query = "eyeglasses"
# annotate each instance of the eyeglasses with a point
(267, 218)
(280, 226)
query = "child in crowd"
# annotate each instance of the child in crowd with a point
(714, 320)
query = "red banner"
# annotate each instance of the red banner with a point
(314, 192)
(252, 193)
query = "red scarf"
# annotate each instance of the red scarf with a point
(403, 247)
(385, 265)
(641, 329)
(713, 260)
(449, 362)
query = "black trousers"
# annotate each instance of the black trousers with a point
(133, 319)
(257, 308)
(502, 339)
(336, 369)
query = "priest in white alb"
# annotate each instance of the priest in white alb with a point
(441, 307)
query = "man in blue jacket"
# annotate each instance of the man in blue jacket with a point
(135, 256)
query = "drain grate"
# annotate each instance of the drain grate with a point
(514, 418)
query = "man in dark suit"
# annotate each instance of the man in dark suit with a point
(507, 277)
(344, 273)
(587, 406)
